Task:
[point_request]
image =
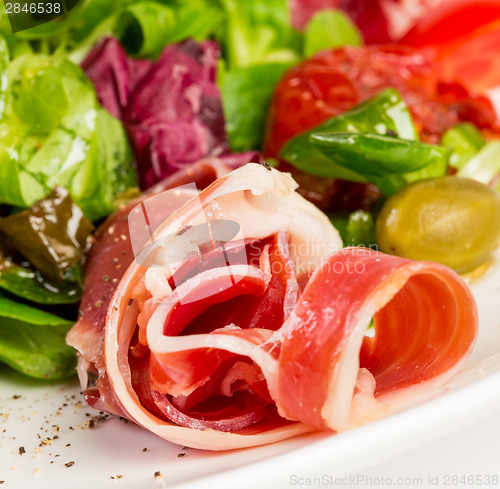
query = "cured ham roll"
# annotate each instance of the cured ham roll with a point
(422, 325)
(242, 321)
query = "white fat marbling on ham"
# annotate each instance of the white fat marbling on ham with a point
(156, 282)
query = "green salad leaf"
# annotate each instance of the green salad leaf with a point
(382, 114)
(53, 235)
(54, 132)
(389, 162)
(258, 45)
(356, 228)
(146, 27)
(32, 341)
(464, 140)
(329, 29)
(257, 32)
(189, 22)
(27, 283)
(143, 26)
(247, 93)
(484, 166)
(4, 80)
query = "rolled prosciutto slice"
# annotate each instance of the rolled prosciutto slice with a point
(242, 321)
(111, 255)
(382, 333)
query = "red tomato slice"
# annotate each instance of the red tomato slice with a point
(473, 61)
(450, 20)
(334, 81)
(465, 36)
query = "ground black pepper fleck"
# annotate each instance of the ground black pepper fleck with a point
(22, 450)
(157, 474)
(69, 464)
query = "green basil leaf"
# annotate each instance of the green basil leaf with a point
(384, 113)
(389, 162)
(33, 341)
(29, 285)
(377, 154)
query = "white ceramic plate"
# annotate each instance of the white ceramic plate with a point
(68, 445)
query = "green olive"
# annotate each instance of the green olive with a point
(451, 220)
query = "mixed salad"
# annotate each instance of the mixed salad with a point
(388, 120)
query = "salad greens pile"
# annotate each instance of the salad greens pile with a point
(257, 41)
(66, 162)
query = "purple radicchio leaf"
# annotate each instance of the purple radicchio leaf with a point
(171, 108)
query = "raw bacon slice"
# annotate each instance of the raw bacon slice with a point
(220, 337)
(425, 324)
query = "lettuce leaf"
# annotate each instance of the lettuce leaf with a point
(257, 32)
(258, 45)
(329, 29)
(246, 93)
(54, 132)
(32, 341)
(27, 283)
